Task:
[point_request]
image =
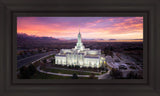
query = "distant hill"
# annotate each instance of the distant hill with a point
(93, 39)
(137, 39)
(112, 39)
(24, 40)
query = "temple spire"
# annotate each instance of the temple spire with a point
(79, 36)
(79, 44)
(79, 28)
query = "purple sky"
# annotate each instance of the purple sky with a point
(90, 27)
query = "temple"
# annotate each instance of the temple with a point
(81, 56)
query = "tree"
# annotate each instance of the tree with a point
(24, 73)
(27, 72)
(116, 73)
(69, 66)
(102, 68)
(111, 48)
(53, 61)
(133, 75)
(106, 51)
(25, 52)
(77, 66)
(72, 66)
(92, 76)
(21, 54)
(74, 76)
(39, 50)
(44, 61)
(32, 53)
(106, 69)
(53, 56)
(31, 69)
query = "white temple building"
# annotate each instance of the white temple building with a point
(81, 56)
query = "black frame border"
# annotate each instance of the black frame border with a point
(151, 88)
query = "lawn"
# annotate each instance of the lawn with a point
(39, 75)
(67, 71)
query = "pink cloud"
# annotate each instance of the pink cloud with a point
(99, 27)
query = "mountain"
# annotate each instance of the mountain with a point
(112, 39)
(27, 41)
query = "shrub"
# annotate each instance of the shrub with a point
(24, 73)
(27, 72)
(31, 69)
(74, 76)
(132, 67)
(92, 76)
(116, 73)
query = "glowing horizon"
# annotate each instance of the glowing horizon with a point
(90, 27)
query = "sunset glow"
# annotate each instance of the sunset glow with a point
(90, 27)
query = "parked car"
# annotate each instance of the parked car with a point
(122, 67)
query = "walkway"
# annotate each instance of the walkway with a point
(105, 75)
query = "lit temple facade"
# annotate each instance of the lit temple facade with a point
(81, 56)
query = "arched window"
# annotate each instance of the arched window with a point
(61, 61)
(57, 62)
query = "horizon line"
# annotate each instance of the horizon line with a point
(70, 38)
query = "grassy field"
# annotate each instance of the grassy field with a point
(67, 71)
(39, 75)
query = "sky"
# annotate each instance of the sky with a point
(90, 27)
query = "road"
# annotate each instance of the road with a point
(30, 59)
